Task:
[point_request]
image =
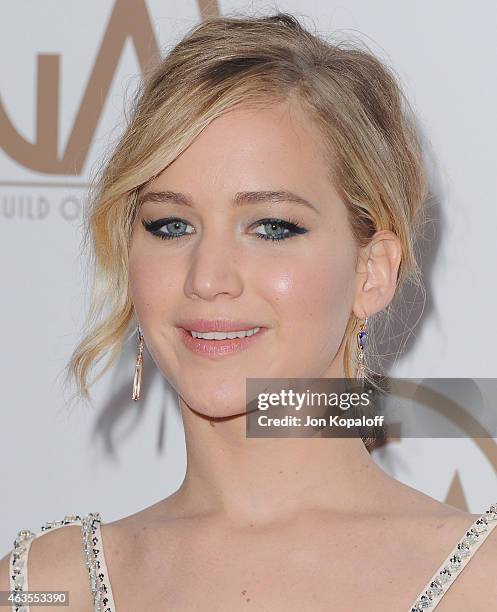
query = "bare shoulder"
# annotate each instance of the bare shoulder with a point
(144, 539)
(126, 538)
(56, 562)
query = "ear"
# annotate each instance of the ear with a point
(376, 273)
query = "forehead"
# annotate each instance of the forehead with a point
(275, 146)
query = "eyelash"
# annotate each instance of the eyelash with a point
(293, 225)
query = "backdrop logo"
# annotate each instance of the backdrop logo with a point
(464, 420)
(129, 19)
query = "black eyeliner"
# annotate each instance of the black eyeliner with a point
(292, 225)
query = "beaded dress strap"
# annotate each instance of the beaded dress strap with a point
(95, 562)
(18, 575)
(94, 558)
(456, 561)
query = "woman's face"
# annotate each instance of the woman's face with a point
(222, 263)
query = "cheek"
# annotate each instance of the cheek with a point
(313, 292)
(150, 282)
(311, 298)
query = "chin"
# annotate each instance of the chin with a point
(215, 404)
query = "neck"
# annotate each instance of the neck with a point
(261, 480)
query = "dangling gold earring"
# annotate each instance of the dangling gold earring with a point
(137, 379)
(362, 337)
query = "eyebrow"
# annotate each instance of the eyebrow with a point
(241, 198)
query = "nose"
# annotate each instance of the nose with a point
(214, 268)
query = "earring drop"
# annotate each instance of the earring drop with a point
(137, 379)
(362, 337)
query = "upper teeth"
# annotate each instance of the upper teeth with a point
(213, 335)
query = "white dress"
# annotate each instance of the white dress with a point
(429, 597)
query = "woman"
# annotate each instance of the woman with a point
(268, 182)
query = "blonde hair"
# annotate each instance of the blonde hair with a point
(368, 133)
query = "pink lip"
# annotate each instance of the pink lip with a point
(219, 348)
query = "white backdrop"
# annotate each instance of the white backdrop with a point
(119, 457)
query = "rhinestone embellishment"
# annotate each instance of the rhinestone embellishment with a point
(457, 560)
(92, 548)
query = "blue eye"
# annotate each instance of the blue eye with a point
(274, 229)
(173, 224)
(283, 229)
